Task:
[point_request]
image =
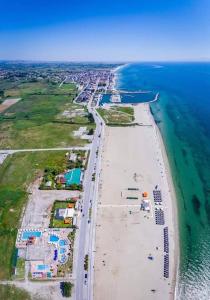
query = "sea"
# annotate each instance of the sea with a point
(182, 114)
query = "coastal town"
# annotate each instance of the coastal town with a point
(106, 193)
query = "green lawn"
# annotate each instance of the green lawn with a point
(37, 120)
(16, 173)
(59, 223)
(117, 115)
(20, 269)
(10, 292)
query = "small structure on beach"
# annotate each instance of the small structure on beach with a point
(145, 194)
(145, 205)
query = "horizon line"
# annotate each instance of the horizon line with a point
(103, 61)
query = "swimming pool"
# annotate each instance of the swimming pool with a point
(62, 242)
(73, 176)
(54, 238)
(27, 234)
(42, 267)
(62, 250)
(63, 258)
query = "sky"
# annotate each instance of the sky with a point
(109, 30)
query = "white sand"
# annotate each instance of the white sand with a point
(133, 157)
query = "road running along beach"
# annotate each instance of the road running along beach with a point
(130, 251)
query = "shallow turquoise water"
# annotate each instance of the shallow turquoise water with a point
(183, 116)
(73, 176)
(27, 234)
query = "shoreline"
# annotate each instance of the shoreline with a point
(120, 220)
(174, 201)
(170, 183)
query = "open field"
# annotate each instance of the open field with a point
(16, 173)
(37, 121)
(129, 258)
(10, 292)
(7, 103)
(117, 114)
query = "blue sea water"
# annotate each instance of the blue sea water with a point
(130, 98)
(183, 116)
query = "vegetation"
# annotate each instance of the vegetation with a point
(117, 115)
(1, 94)
(10, 292)
(37, 121)
(66, 288)
(16, 173)
(20, 269)
(91, 131)
(68, 267)
(49, 181)
(86, 261)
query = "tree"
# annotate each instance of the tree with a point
(66, 288)
(91, 131)
(1, 93)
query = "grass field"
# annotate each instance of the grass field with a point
(20, 269)
(10, 292)
(117, 114)
(33, 122)
(16, 173)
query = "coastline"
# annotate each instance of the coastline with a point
(133, 234)
(174, 201)
(115, 71)
(171, 210)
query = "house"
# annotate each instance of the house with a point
(60, 179)
(63, 213)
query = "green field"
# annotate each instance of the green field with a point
(20, 269)
(117, 115)
(10, 292)
(37, 121)
(16, 173)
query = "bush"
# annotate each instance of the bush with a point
(91, 131)
(66, 288)
(86, 262)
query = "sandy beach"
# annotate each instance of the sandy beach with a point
(134, 157)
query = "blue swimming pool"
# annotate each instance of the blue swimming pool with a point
(63, 258)
(62, 242)
(42, 267)
(62, 250)
(73, 176)
(27, 234)
(54, 238)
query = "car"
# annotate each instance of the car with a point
(86, 275)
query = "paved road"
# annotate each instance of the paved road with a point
(11, 151)
(84, 287)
